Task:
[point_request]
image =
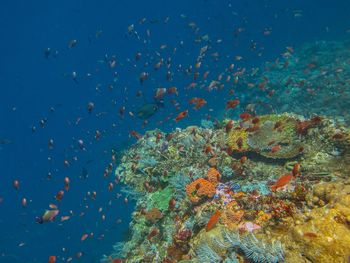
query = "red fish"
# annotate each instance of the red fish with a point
(173, 90)
(245, 116)
(199, 102)
(181, 115)
(243, 159)
(66, 183)
(213, 220)
(231, 104)
(282, 181)
(52, 259)
(84, 237)
(135, 134)
(59, 195)
(296, 169)
(16, 184)
(275, 148)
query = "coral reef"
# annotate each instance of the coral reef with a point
(281, 194)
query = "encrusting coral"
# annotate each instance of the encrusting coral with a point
(200, 189)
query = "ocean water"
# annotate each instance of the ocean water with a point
(59, 56)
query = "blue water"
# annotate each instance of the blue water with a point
(34, 88)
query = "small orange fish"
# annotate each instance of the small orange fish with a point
(83, 237)
(24, 202)
(135, 134)
(255, 120)
(231, 104)
(245, 116)
(243, 159)
(173, 90)
(66, 183)
(282, 181)
(115, 260)
(16, 184)
(53, 206)
(181, 115)
(64, 218)
(275, 148)
(59, 195)
(213, 220)
(296, 169)
(199, 102)
(52, 259)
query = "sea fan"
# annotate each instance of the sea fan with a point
(232, 258)
(260, 252)
(231, 238)
(206, 254)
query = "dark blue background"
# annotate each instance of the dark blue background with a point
(30, 85)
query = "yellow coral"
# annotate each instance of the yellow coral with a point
(213, 176)
(262, 218)
(237, 140)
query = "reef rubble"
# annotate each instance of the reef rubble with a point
(271, 188)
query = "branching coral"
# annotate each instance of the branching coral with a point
(206, 254)
(200, 189)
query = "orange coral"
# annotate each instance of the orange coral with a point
(263, 217)
(213, 175)
(153, 215)
(231, 219)
(199, 189)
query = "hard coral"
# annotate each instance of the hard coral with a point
(200, 189)
(237, 140)
(213, 176)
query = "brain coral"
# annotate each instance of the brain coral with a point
(200, 189)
